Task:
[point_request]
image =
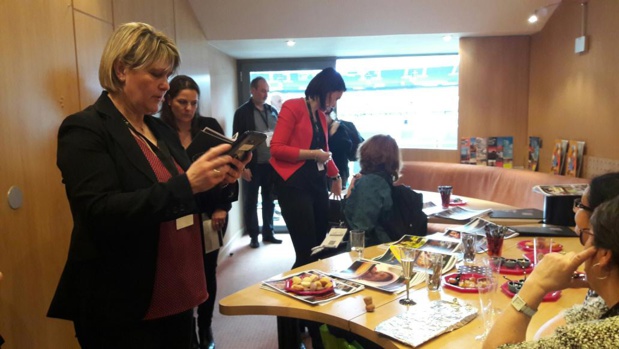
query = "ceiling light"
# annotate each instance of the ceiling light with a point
(447, 38)
(291, 43)
(541, 12)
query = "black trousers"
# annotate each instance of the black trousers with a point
(262, 178)
(174, 331)
(306, 216)
(205, 310)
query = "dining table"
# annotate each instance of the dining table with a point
(349, 312)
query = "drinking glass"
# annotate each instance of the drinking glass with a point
(541, 246)
(357, 243)
(434, 272)
(407, 260)
(487, 286)
(494, 239)
(468, 247)
(445, 191)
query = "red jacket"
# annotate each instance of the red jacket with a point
(293, 132)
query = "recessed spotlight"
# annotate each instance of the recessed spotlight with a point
(533, 18)
(291, 43)
(447, 38)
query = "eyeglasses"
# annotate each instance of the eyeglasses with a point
(578, 205)
(582, 237)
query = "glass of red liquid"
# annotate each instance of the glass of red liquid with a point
(445, 191)
(495, 244)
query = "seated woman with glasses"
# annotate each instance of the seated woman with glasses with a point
(584, 328)
(601, 189)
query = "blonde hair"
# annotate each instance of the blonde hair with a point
(137, 46)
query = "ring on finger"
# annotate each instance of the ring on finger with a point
(216, 170)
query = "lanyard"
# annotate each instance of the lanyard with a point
(263, 116)
(316, 126)
(162, 152)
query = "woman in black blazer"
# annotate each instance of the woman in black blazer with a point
(181, 111)
(134, 270)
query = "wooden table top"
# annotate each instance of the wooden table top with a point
(349, 312)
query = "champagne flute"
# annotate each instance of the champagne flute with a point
(407, 260)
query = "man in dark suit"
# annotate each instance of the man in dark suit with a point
(256, 115)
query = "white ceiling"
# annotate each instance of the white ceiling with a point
(347, 28)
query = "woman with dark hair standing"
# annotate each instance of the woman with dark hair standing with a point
(300, 156)
(180, 110)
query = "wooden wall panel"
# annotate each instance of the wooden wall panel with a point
(494, 85)
(39, 88)
(91, 35)
(158, 13)
(574, 96)
(101, 9)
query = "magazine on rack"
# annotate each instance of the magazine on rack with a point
(477, 227)
(422, 322)
(561, 189)
(338, 288)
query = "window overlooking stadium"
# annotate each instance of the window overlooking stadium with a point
(414, 98)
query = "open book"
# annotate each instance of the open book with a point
(381, 276)
(208, 138)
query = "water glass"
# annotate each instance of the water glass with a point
(468, 247)
(434, 272)
(487, 289)
(445, 191)
(357, 243)
(541, 246)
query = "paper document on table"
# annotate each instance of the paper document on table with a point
(421, 263)
(422, 322)
(385, 277)
(340, 287)
(461, 214)
(430, 208)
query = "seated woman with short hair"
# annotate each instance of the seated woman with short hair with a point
(585, 327)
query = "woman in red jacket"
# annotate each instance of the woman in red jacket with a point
(300, 156)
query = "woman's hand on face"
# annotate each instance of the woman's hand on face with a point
(210, 169)
(555, 271)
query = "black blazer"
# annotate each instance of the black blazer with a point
(117, 205)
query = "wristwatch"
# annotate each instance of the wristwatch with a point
(520, 305)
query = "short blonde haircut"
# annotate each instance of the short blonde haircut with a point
(137, 46)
